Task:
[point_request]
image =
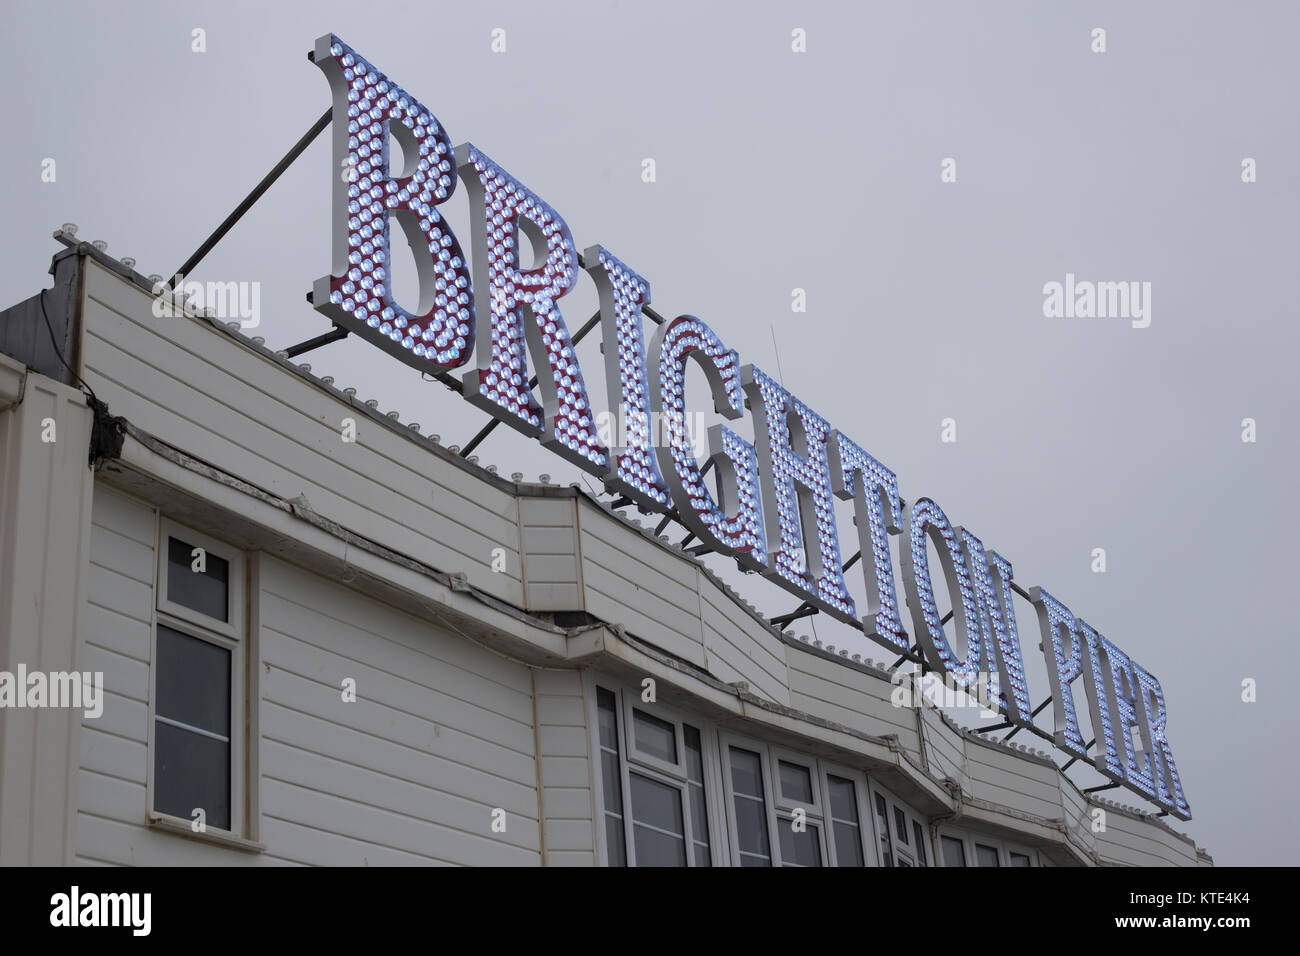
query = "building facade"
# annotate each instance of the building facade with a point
(326, 639)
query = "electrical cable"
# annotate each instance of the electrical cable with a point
(49, 327)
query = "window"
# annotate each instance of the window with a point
(900, 831)
(986, 855)
(695, 790)
(798, 811)
(197, 704)
(655, 737)
(882, 826)
(658, 825)
(676, 790)
(954, 851)
(611, 778)
(750, 807)
(967, 849)
(789, 809)
(192, 754)
(654, 792)
(1017, 855)
(845, 824)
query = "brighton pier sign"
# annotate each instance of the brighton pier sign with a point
(774, 509)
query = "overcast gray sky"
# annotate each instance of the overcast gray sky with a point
(779, 170)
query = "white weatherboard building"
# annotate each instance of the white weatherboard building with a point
(308, 656)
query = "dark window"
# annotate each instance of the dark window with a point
(920, 842)
(658, 830)
(799, 849)
(653, 736)
(751, 808)
(609, 774)
(796, 782)
(192, 728)
(206, 591)
(986, 855)
(1018, 859)
(900, 822)
(846, 827)
(882, 821)
(954, 851)
(695, 788)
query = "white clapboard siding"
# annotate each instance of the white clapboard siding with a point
(104, 839)
(439, 736)
(226, 403)
(114, 746)
(848, 696)
(739, 648)
(1078, 817)
(548, 529)
(1011, 781)
(944, 748)
(1137, 843)
(630, 580)
(566, 775)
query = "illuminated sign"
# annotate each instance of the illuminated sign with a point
(774, 513)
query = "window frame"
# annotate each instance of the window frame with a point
(901, 847)
(628, 708)
(727, 740)
(1004, 848)
(783, 807)
(232, 627)
(866, 829)
(965, 852)
(230, 635)
(632, 760)
(1011, 848)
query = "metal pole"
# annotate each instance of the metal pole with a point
(333, 335)
(1037, 710)
(253, 197)
(1073, 759)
